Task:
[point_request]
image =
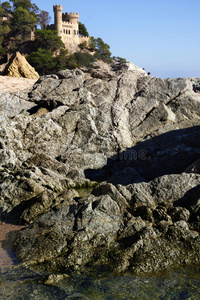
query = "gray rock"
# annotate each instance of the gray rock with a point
(111, 127)
(179, 213)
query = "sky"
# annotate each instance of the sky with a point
(162, 36)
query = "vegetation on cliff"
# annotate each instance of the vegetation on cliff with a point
(46, 53)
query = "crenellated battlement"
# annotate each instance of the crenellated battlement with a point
(69, 23)
(57, 8)
(70, 17)
(71, 14)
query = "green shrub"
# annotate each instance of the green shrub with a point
(43, 61)
(83, 45)
(82, 29)
(48, 39)
(79, 59)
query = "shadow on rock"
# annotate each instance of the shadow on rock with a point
(168, 153)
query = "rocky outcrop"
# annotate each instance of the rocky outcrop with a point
(143, 228)
(19, 67)
(102, 164)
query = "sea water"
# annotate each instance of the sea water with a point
(25, 283)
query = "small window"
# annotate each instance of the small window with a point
(64, 30)
(69, 31)
(74, 32)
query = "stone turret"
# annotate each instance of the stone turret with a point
(71, 17)
(58, 18)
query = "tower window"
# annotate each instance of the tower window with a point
(74, 32)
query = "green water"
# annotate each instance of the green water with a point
(22, 283)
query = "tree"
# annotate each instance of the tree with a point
(25, 4)
(6, 6)
(45, 62)
(83, 45)
(93, 43)
(22, 22)
(42, 60)
(79, 59)
(35, 9)
(102, 49)
(61, 60)
(1, 11)
(4, 30)
(83, 59)
(48, 39)
(3, 50)
(43, 19)
(4, 27)
(82, 30)
(119, 59)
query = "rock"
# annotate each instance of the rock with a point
(145, 212)
(97, 219)
(179, 213)
(93, 161)
(194, 168)
(160, 214)
(19, 67)
(54, 279)
(157, 191)
(179, 230)
(109, 189)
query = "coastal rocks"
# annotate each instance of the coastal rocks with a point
(72, 234)
(101, 164)
(94, 231)
(116, 231)
(19, 67)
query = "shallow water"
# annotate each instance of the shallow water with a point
(23, 283)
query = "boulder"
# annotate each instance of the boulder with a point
(19, 67)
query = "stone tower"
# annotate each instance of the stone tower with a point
(58, 18)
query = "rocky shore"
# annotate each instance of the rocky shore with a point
(102, 165)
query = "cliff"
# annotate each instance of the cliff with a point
(102, 164)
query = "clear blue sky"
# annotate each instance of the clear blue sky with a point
(162, 36)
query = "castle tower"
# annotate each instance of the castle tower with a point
(58, 18)
(71, 18)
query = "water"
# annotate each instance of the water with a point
(23, 283)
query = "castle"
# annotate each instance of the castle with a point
(67, 25)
